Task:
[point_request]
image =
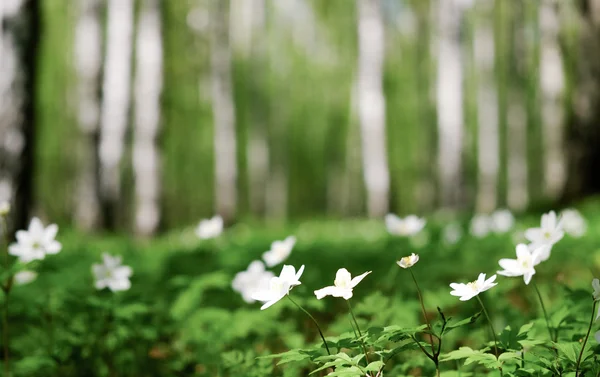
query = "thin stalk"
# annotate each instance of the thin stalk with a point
(314, 320)
(435, 358)
(586, 338)
(487, 316)
(424, 311)
(6, 288)
(545, 313)
(359, 333)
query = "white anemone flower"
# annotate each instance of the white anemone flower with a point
(111, 274)
(210, 228)
(4, 208)
(549, 233)
(452, 233)
(408, 226)
(252, 280)
(470, 290)
(480, 225)
(573, 223)
(596, 286)
(36, 242)
(279, 252)
(524, 265)
(342, 285)
(25, 277)
(502, 221)
(409, 261)
(279, 286)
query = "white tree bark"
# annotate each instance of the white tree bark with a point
(450, 102)
(223, 112)
(148, 87)
(552, 86)
(116, 90)
(488, 159)
(88, 62)
(18, 38)
(371, 106)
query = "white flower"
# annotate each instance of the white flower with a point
(502, 221)
(253, 280)
(4, 208)
(573, 223)
(35, 242)
(408, 226)
(596, 286)
(279, 252)
(409, 261)
(452, 233)
(548, 234)
(210, 228)
(25, 277)
(279, 286)
(480, 225)
(470, 290)
(524, 265)
(111, 274)
(342, 285)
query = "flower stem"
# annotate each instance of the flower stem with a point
(359, 333)
(586, 338)
(424, 311)
(314, 320)
(487, 316)
(6, 288)
(545, 312)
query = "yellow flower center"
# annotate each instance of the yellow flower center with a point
(473, 285)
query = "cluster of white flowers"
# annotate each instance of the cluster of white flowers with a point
(38, 241)
(210, 228)
(500, 221)
(256, 278)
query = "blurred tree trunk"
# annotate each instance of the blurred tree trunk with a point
(114, 116)
(488, 159)
(583, 132)
(517, 189)
(371, 106)
(88, 63)
(450, 102)
(148, 87)
(552, 86)
(223, 112)
(20, 25)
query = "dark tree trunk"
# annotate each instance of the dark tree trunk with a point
(20, 33)
(583, 128)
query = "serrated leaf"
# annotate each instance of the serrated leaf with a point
(467, 321)
(569, 350)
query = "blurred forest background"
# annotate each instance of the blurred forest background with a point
(145, 115)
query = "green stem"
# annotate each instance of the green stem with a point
(424, 312)
(314, 320)
(586, 338)
(359, 333)
(487, 316)
(6, 288)
(545, 313)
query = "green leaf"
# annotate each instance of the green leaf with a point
(568, 350)
(375, 366)
(467, 321)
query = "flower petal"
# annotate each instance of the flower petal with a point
(357, 279)
(327, 291)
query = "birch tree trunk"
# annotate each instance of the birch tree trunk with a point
(517, 194)
(488, 159)
(148, 87)
(371, 106)
(116, 88)
(88, 62)
(223, 112)
(552, 86)
(18, 48)
(450, 102)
